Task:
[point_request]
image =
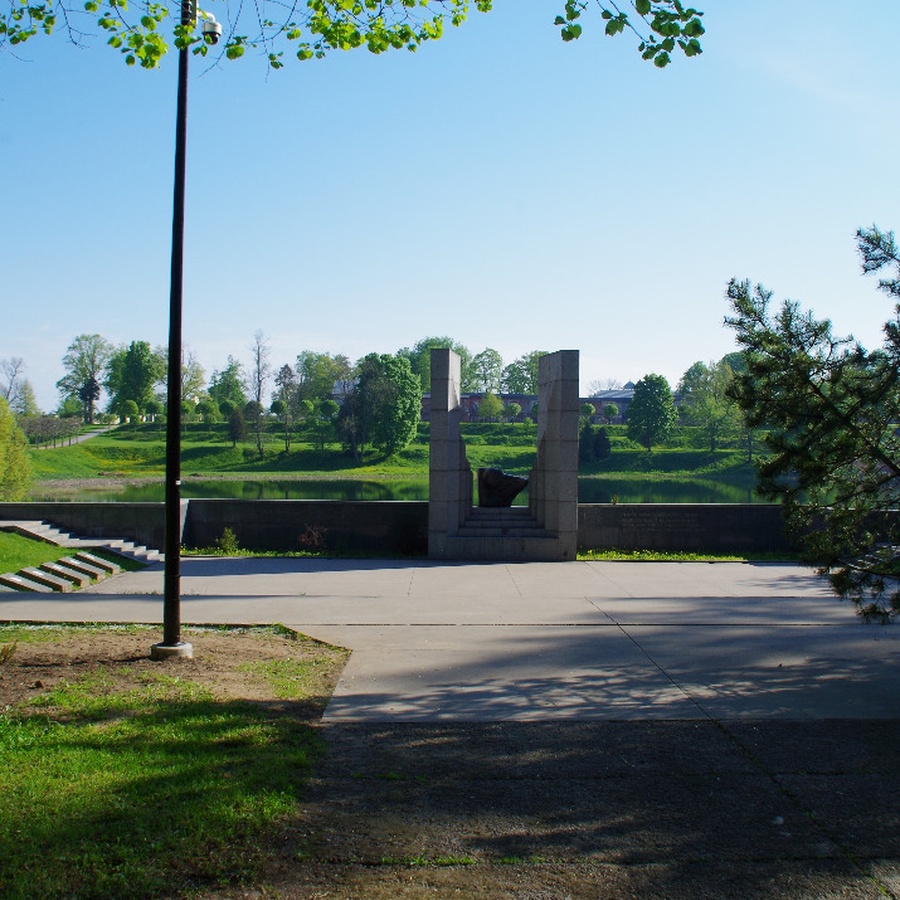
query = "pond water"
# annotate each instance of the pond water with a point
(590, 490)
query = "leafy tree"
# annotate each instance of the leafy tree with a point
(237, 426)
(706, 403)
(24, 402)
(85, 363)
(193, 379)
(208, 410)
(229, 386)
(521, 375)
(385, 406)
(15, 464)
(513, 411)
(133, 373)
(139, 32)
(128, 409)
(317, 373)
(610, 411)
(490, 409)
(485, 372)
(326, 414)
(284, 404)
(420, 360)
(651, 413)
(593, 443)
(831, 408)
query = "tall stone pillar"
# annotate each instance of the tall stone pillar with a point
(553, 487)
(450, 476)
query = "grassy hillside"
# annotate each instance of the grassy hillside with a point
(139, 451)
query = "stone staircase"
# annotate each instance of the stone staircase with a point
(508, 533)
(71, 572)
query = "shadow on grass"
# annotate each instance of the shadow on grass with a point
(136, 799)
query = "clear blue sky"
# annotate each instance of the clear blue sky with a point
(498, 186)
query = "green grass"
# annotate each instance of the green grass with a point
(140, 452)
(17, 552)
(659, 556)
(160, 790)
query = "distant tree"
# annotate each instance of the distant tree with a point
(85, 363)
(70, 406)
(11, 378)
(133, 373)
(193, 379)
(209, 411)
(610, 411)
(286, 400)
(703, 390)
(317, 373)
(237, 427)
(513, 411)
(486, 371)
(490, 408)
(229, 386)
(831, 410)
(15, 464)
(25, 403)
(419, 358)
(651, 413)
(260, 373)
(521, 375)
(384, 408)
(598, 385)
(593, 443)
(253, 418)
(588, 411)
(128, 409)
(325, 417)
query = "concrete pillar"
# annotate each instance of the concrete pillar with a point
(450, 476)
(553, 487)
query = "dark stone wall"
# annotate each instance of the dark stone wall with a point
(376, 527)
(683, 527)
(143, 523)
(400, 528)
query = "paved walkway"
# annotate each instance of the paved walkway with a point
(539, 641)
(603, 730)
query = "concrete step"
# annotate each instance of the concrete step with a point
(54, 582)
(18, 583)
(77, 570)
(78, 579)
(95, 573)
(137, 552)
(502, 522)
(92, 560)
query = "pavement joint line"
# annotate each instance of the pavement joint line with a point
(803, 809)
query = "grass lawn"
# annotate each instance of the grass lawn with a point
(127, 778)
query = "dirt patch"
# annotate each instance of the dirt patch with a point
(224, 662)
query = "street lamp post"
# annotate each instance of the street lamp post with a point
(172, 645)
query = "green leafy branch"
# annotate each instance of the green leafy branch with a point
(670, 25)
(315, 28)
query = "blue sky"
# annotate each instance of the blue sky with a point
(499, 186)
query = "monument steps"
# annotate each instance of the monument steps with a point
(77, 570)
(509, 534)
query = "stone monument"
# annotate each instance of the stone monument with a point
(548, 528)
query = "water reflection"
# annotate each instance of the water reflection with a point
(590, 490)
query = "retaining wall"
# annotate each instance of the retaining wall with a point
(400, 528)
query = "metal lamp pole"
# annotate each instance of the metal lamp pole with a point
(172, 645)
